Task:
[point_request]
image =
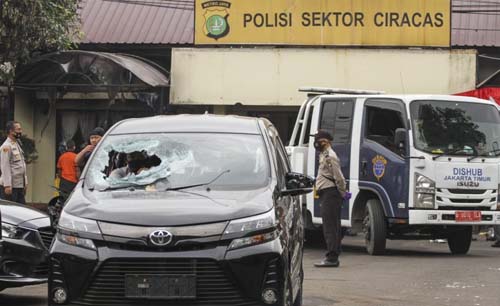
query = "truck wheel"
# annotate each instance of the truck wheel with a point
(374, 228)
(459, 241)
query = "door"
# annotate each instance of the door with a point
(292, 213)
(383, 166)
(336, 118)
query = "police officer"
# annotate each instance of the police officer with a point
(13, 181)
(331, 188)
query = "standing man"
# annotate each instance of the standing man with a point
(13, 181)
(82, 157)
(331, 188)
(67, 169)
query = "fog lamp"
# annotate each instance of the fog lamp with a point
(269, 296)
(432, 217)
(60, 296)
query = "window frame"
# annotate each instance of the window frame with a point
(393, 104)
(352, 102)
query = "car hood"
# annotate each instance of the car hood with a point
(17, 214)
(172, 208)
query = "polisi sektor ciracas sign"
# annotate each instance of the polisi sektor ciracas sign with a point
(323, 22)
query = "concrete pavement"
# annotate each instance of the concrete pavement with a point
(413, 273)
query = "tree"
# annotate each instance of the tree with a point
(31, 26)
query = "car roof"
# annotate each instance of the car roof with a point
(206, 123)
(409, 98)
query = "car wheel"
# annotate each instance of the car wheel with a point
(374, 228)
(459, 241)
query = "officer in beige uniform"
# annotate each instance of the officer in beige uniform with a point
(331, 188)
(13, 180)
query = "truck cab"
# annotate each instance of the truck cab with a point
(418, 166)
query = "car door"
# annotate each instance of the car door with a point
(336, 116)
(1, 238)
(293, 216)
(383, 167)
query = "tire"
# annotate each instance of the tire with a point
(459, 241)
(374, 228)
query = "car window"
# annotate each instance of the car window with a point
(159, 161)
(381, 121)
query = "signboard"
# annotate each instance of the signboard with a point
(323, 22)
(467, 176)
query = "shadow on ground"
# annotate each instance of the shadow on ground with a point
(355, 245)
(19, 300)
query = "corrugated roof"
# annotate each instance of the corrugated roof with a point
(475, 23)
(137, 21)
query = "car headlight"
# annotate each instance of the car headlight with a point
(263, 225)
(12, 232)
(71, 230)
(425, 191)
(251, 224)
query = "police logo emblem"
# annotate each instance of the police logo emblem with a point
(379, 164)
(216, 18)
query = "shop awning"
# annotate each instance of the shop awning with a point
(84, 71)
(486, 93)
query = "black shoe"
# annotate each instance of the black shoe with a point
(327, 263)
(496, 245)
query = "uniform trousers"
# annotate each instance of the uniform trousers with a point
(331, 206)
(16, 196)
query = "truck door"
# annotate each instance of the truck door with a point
(383, 167)
(336, 118)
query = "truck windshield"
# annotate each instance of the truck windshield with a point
(456, 128)
(157, 162)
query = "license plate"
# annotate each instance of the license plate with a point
(160, 286)
(468, 216)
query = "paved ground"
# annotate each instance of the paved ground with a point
(413, 273)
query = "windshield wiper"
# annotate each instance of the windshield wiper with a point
(198, 185)
(131, 186)
(446, 153)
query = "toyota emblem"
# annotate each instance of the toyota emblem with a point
(160, 237)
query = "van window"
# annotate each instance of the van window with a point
(381, 121)
(336, 118)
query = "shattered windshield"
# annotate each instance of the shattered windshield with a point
(456, 128)
(157, 162)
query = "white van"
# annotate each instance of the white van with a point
(418, 166)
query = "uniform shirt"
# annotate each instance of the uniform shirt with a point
(329, 172)
(68, 166)
(12, 165)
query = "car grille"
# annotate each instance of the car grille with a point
(47, 235)
(466, 198)
(213, 286)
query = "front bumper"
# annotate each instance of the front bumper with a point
(446, 217)
(223, 277)
(23, 262)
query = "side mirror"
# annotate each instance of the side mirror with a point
(297, 184)
(401, 139)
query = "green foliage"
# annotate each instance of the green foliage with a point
(28, 146)
(29, 26)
